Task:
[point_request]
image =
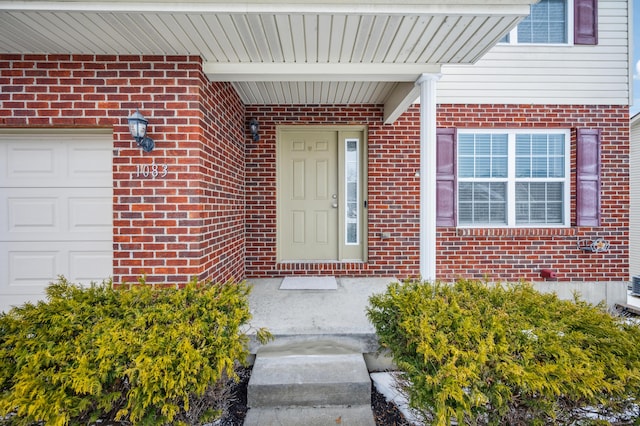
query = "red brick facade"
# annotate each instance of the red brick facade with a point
(214, 214)
(394, 197)
(393, 191)
(170, 228)
(512, 254)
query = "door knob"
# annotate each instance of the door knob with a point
(334, 205)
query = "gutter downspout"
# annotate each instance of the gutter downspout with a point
(428, 83)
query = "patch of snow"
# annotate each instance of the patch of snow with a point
(386, 384)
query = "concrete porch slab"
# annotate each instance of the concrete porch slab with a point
(296, 315)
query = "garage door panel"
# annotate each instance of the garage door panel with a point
(29, 164)
(61, 162)
(90, 265)
(25, 161)
(56, 211)
(91, 214)
(10, 300)
(91, 165)
(27, 267)
(32, 268)
(34, 214)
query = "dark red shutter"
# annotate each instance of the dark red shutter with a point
(585, 22)
(588, 178)
(446, 177)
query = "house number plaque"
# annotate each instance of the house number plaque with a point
(152, 170)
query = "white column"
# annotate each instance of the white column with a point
(427, 83)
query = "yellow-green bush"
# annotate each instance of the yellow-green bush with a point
(137, 354)
(507, 354)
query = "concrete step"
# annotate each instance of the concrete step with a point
(283, 380)
(311, 416)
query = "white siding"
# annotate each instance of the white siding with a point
(634, 204)
(550, 74)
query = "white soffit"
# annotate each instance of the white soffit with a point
(272, 51)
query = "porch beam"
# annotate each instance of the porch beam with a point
(428, 126)
(378, 72)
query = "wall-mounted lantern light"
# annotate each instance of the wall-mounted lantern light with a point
(253, 128)
(138, 129)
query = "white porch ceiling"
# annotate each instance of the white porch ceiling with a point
(277, 52)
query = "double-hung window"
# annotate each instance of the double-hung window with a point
(517, 178)
(558, 22)
(548, 23)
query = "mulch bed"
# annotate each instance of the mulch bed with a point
(238, 409)
(384, 413)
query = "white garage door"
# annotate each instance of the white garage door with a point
(56, 213)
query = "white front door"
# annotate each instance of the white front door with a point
(321, 194)
(56, 213)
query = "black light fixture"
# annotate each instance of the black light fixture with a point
(138, 129)
(254, 126)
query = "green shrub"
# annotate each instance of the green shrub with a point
(494, 354)
(134, 354)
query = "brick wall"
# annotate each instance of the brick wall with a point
(511, 254)
(171, 228)
(214, 214)
(393, 194)
(393, 191)
(222, 166)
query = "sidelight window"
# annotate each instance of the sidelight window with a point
(352, 174)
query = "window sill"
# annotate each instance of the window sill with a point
(516, 232)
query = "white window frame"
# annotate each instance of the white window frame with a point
(512, 180)
(357, 201)
(513, 34)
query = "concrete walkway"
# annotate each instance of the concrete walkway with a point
(314, 372)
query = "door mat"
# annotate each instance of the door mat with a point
(309, 283)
